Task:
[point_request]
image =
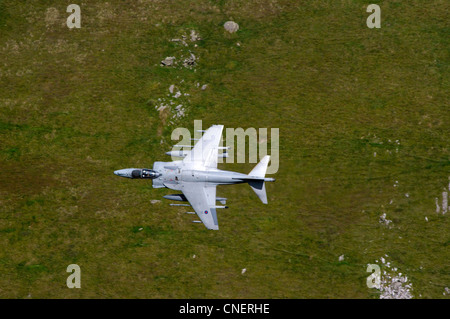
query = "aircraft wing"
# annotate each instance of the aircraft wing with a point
(203, 199)
(205, 152)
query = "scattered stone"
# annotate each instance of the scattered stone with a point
(180, 113)
(194, 36)
(394, 285)
(438, 208)
(168, 61)
(184, 59)
(444, 202)
(243, 271)
(190, 61)
(204, 86)
(155, 201)
(384, 220)
(182, 41)
(162, 107)
(341, 258)
(231, 26)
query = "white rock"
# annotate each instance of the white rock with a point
(231, 26)
(444, 202)
(341, 257)
(438, 208)
(189, 62)
(384, 220)
(243, 271)
(162, 108)
(194, 36)
(168, 61)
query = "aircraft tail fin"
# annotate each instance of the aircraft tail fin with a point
(257, 178)
(260, 169)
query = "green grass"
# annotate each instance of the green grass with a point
(75, 105)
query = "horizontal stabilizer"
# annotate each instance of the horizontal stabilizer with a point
(259, 187)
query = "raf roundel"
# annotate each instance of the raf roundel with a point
(206, 212)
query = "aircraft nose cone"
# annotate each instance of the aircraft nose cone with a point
(124, 172)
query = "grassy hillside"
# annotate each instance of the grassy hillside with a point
(364, 130)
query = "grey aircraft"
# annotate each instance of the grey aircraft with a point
(197, 177)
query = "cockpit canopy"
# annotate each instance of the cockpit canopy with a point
(144, 173)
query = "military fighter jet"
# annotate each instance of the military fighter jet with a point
(197, 177)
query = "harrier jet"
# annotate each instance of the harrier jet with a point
(197, 176)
